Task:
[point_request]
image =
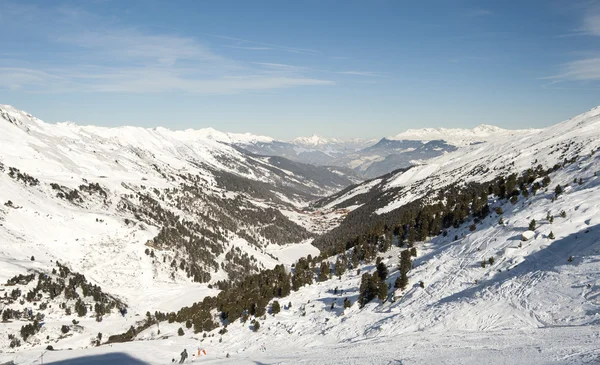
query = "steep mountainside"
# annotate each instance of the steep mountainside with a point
(154, 206)
(376, 201)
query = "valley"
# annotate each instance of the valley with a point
(136, 243)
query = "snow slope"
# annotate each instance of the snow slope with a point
(536, 302)
(533, 305)
(458, 136)
(98, 199)
(514, 152)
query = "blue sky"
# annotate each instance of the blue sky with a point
(288, 68)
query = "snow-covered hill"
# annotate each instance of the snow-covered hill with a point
(518, 283)
(458, 136)
(514, 152)
(536, 302)
(148, 214)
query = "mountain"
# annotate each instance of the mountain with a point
(512, 153)
(371, 158)
(161, 208)
(486, 252)
(314, 150)
(458, 136)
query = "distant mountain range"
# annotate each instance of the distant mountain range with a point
(369, 158)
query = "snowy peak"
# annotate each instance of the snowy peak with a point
(230, 138)
(314, 141)
(458, 136)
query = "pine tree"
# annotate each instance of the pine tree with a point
(551, 235)
(382, 271)
(180, 331)
(546, 181)
(324, 271)
(275, 307)
(382, 291)
(558, 190)
(413, 251)
(532, 225)
(368, 289)
(401, 281)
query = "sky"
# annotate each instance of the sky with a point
(342, 69)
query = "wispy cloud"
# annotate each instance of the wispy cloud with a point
(591, 21)
(579, 70)
(99, 58)
(250, 48)
(584, 69)
(241, 42)
(477, 12)
(359, 73)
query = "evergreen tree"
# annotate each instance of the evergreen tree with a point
(558, 190)
(382, 271)
(180, 331)
(532, 225)
(551, 235)
(324, 271)
(367, 290)
(382, 290)
(401, 281)
(275, 307)
(347, 303)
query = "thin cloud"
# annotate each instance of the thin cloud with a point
(478, 12)
(591, 21)
(289, 49)
(128, 60)
(579, 70)
(359, 73)
(585, 69)
(281, 66)
(146, 80)
(251, 48)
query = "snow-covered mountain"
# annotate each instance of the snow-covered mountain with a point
(372, 158)
(458, 136)
(139, 209)
(502, 239)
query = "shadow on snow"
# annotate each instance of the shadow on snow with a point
(113, 358)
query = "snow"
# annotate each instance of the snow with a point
(289, 254)
(527, 235)
(362, 189)
(459, 136)
(536, 302)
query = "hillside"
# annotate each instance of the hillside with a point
(146, 213)
(490, 254)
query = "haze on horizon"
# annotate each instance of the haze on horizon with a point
(361, 69)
